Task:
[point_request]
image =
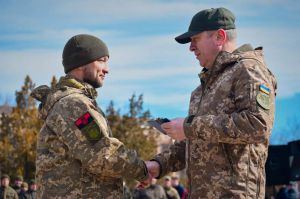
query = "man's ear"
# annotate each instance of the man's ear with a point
(221, 37)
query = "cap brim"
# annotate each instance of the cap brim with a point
(186, 37)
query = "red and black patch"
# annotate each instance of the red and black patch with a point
(88, 126)
(84, 120)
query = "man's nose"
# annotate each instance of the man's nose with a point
(106, 68)
(192, 46)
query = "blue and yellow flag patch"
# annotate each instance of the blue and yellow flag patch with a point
(263, 97)
(264, 89)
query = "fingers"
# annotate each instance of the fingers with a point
(153, 168)
(145, 183)
(166, 125)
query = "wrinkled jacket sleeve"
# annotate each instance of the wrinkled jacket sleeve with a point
(107, 157)
(172, 159)
(248, 123)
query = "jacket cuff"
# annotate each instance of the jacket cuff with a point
(146, 173)
(187, 126)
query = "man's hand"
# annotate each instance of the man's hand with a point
(174, 129)
(154, 170)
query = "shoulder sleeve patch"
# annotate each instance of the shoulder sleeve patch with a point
(87, 125)
(263, 97)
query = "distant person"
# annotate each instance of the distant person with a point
(154, 191)
(169, 190)
(288, 192)
(17, 184)
(179, 187)
(24, 191)
(7, 192)
(32, 189)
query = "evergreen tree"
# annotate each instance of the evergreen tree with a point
(18, 134)
(23, 98)
(131, 127)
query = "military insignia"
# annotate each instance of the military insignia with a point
(264, 89)
(88, 127)
(263, 97)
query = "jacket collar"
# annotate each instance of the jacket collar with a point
(223, 60)
(71, 82)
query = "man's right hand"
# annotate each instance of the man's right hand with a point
(154, 170)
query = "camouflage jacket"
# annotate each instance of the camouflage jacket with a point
(77, 157)
(230, 120)
(8, 193)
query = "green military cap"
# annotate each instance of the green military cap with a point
(209, 19)
(19, 178)
(81, 50)
(31, 182)
(5, 176)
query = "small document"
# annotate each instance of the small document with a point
(157, 124)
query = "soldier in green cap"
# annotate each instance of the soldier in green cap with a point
(77, 155)
(32, 189)
(18, 183)
(224, 139)
(6, 192)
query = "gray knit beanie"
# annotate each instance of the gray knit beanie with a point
(81, 50)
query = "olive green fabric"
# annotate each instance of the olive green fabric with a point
(5, 176)
(209, 19)
(81, 50)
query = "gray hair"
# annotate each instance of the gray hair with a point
(231, 34)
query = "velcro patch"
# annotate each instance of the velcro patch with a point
(86, 123)
(263, 100)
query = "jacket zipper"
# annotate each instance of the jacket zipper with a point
(188, 144)
(230, 163)
(248, 170)
(258, 180)
(189, 167)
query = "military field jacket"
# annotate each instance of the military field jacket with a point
(8, 193)
(230, 120)
(77, 157)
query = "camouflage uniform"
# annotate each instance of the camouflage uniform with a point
(8, 193)
(230, 120)
(77, 157)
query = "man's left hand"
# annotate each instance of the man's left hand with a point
(174, 129)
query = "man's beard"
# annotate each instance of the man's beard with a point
(93, 82)
(90, 78)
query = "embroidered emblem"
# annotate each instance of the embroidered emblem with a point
(89, 127)
(263, 100)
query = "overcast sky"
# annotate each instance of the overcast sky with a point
(144, 57)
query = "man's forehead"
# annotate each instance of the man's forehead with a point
(199, 35)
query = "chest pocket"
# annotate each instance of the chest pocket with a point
(10, 195)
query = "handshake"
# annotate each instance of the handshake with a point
(172, 128)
